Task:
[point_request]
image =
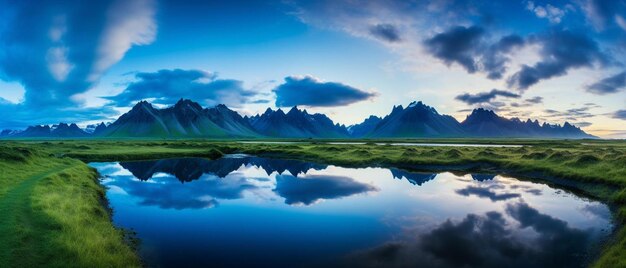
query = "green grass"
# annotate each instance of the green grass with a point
(52, 215)
(71, 197)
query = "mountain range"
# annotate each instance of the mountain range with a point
(188, 119)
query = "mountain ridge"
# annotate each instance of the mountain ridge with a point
(188, 119)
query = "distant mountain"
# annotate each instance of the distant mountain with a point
(185, 119)
(486, 123)
(417, 120)
(365, 127)
(188, 119)
(296, 124)
(9, 132)
(61, 130)
(65, 130)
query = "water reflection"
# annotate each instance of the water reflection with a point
(189, 169)
(244, 211)
(489, 240)
(310, 189)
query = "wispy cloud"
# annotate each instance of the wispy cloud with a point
(484, 97)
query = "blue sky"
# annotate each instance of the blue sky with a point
(88, 61)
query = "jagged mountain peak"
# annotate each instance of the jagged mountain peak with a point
(481, 114)
(187, 104)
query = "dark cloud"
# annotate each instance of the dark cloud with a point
(484, 97)
(58, 49)
(561, 50)
(167, 87)
(620, 114)
(308, 190)
(485, 192)
(495, 59)
(458, 45)
(385, 32)
(535, 100)
(582, 124)
(309, 91)
(528, 102)
(467, 47)
(611, 84)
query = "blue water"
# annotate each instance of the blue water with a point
(242, 211)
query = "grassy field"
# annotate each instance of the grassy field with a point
(54, 210)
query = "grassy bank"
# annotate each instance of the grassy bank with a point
(595, 168)
(52, 214)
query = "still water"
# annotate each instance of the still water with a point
(244, 211)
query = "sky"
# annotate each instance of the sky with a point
(90, 61)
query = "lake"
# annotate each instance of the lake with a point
(245, 211)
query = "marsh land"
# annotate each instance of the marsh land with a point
(56, 211)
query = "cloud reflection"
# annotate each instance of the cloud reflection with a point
(485, 192)
(489, 240)
(312, 188)
(168, 193)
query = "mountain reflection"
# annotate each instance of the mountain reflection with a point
(217, 179)
(413, 178)
(483, 177)
(489, 240)
(310, 189)
(190, 169)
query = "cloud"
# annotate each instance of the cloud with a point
(58, 49)
(385, 32)
(561, 51)
(467, 47)
(310, 91)
(610, 84)
(550, 12)
(167, 87)
(457, 45)
(312, 188)
(602, 13)
(484, 97)
(620, 114)
(535, 100)
(528, 102)
(495, 58)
